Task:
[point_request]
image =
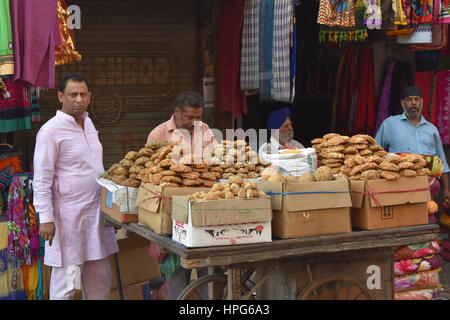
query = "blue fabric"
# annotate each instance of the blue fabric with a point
(277, 118)
(266, 44)
(16, 295)
(398, 135)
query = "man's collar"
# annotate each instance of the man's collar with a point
(171, 125)
(422, 119)
(68, 117)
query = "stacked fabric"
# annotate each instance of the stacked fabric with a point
(416, 270)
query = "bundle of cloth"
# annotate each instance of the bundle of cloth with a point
(416, 270)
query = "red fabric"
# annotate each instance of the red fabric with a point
(365, 116)
(229, 96)
(423, 81)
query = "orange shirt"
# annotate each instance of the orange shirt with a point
(200, 139)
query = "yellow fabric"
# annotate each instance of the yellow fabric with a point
(6, 280)
(30, 280)
(3, 235)
(66, 52)
(399, 13)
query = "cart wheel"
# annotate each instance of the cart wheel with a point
(192, 290)
(335, 288)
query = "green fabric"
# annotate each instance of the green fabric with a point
(5, 29)
(171, 265)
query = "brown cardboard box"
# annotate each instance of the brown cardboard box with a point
(112, 209)
(155, 205)
(221, 212)
(134, 262)
(397, 203)
(303, 209)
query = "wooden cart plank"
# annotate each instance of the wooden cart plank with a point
(239, 257)
(279, 248)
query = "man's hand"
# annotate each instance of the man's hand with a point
(47, 231)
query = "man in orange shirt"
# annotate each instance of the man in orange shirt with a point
(186, 126)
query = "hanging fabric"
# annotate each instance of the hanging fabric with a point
(399, 13)
(442, 104)
(6, 46)
(35, 35)
(249, 76)
(293, 52)
(423, 80)
(230, 97)
(15, 111)
(34, 102)
(373, 17)
(281, 72)
(266, 11)
(383, 101)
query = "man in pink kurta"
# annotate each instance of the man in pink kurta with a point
(67, 159)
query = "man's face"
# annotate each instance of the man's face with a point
(286, 131)
(412, 106)
(185, 117)
(75, 99)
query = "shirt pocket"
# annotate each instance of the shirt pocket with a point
(428, 143)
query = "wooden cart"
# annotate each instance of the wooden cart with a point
(356, 265)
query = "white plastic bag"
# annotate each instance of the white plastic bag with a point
(305, 161)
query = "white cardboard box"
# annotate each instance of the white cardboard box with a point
(210, 223)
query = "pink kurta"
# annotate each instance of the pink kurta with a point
(66, 162)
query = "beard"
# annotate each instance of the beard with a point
(286, 137)
(413, 112)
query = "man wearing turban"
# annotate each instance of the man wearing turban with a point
(281, 131)
(411, 133)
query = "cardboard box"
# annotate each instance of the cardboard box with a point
(221, 222)
(119, 202)
(303, 209)
(155, 205)
(135, 264)
(393, 204)
(122, 208)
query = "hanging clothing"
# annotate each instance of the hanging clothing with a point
(293, 52)
(266, 21)
(383, 104)
(442, 104)
(35, 36)
(399, 13)
(6, 44)
(249, 76)
(66, 161)
(373, 18)
(15, 111)
(230, 97)
(365, 117)
(423, 81)
(280, 83)
(66, 52)
(34, 103)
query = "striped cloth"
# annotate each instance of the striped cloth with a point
(280, 85)
(34, 103)
(266, 11)
(249, 77)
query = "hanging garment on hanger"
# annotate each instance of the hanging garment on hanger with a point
(34, 103)
(422, 11)
(365, 117)
(249, 75)
(15, 111)
(383, 101)
(35, 35)
(281, 72)
(6, 46)
(293, 52)
(230, 97)
(399, 13)
(373, 18)
(423, 80)
(66, 52)
(266, 11)
(442, 104)
(444, 12)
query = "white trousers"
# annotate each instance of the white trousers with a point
(95, 279)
